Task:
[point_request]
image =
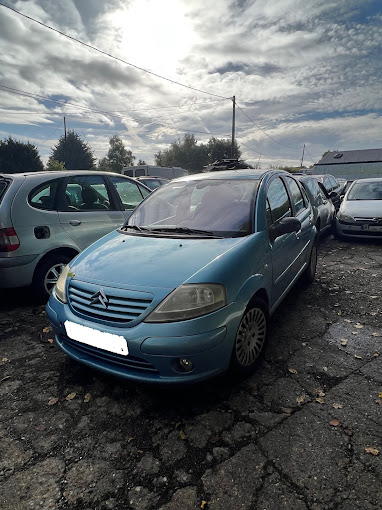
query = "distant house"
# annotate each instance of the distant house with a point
(351, 165)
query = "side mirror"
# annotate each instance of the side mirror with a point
(284, 226)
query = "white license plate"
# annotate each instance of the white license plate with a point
(95, 338)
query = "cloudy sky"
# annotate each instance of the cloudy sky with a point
(302, 72)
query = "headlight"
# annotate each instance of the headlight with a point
(60, 285)
(189, 301)
(345, 218)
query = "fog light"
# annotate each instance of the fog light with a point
(186, 364)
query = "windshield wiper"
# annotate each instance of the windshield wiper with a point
(184, 230)
(135, 227)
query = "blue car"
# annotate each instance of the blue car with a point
(184, 290)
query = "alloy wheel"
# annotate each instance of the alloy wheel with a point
(250, 337)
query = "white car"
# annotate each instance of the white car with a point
(360, 214)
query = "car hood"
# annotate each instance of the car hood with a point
(363, 208)
(148, 261)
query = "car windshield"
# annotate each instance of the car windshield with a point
(366, 191)
(218, 207)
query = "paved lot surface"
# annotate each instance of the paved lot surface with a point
(304, 432)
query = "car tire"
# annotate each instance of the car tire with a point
(46, 275)
(310, 271)
(250, 338)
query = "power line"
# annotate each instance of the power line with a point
(259, 153)
(41, 143)
(311, 158)
(111, 112)
(114, 113)
(262, 130)
(93, 110)
(112, 56)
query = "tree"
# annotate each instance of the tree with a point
(192, 156)
(118, 156)
(53, 164)
(222, 149)
(18, 156)
(73, 152)
(185, 153)
(103, 165)
(142, 162)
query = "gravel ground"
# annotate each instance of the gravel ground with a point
(302, 433)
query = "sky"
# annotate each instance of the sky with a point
(303, 72)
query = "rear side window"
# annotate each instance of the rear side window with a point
(278, 201)
(130, 193)
(44, 195)
(313, 187)
(3, 187)
(328, 185)
(87, 193)
(297, 197)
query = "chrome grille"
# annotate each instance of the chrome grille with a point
(123, 305)
(370, 221)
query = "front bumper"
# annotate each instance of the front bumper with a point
(361, 230)
(155, 349)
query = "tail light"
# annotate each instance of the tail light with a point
(8, 239)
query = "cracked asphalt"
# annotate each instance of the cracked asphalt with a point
(303, 432)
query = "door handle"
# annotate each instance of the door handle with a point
(75, 222)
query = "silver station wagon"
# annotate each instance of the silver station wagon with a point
(46, 218)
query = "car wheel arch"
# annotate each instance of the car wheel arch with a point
(43, 275)
(67, 252)
(253, 287)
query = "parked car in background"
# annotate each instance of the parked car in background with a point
(333, 188)
(167, 172)
(46, 218)
(343, 183)
(323, 208)
(152, 182)
(360, 214)
(183, 291)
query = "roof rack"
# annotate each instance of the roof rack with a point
(226, 164)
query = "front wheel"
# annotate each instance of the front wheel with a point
(250, 338)
(47, 274)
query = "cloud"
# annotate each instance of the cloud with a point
(305, 71)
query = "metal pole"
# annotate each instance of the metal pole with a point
(233, 126)
(302, 158)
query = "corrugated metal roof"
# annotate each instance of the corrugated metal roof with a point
(359, 156)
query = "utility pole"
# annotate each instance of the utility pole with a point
(65, 147)
(302, 158)
(233, 126)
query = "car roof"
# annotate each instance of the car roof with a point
(304, 177)
(369, 179)
(141, 177)
(59, 173)
(320, 176)
(246, 173)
